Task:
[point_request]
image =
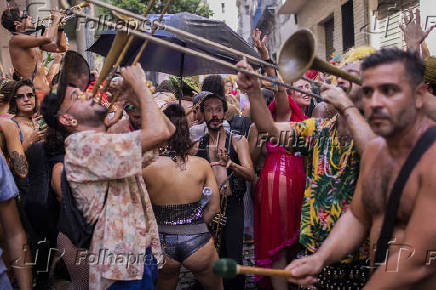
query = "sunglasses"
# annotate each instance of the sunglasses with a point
(129, 108)
(28, 95)
(25, 15)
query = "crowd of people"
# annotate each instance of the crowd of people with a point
(120, 194)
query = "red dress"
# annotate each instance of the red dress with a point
(278, 199)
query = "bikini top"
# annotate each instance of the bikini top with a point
(19, 129)
(182, 214)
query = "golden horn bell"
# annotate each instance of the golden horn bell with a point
(297, 55)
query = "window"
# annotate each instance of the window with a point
(347, 25)
(329, 26)
(296, 18)
(223, 8)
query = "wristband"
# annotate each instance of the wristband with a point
(61, 29)
(348, 107)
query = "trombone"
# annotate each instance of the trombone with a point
(296, 56)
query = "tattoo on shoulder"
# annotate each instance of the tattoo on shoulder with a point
(19, 163)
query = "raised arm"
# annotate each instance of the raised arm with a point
(356, 123)
(155, 126)
(412, 31)
(280, 95)
(258, 109)
(28, 41)
(58, 46)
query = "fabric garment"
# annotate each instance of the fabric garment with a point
(79, 272)
(233, 239)
(182, 230)
(8, 190)
(181, 247)
(126, 225)
(149, 278)
(233, 231)
(332, 175)
(278, 198)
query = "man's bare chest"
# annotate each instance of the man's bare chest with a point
(378, 182)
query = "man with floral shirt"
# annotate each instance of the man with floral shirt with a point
(104, 173)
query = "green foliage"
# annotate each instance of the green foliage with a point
(177, 6)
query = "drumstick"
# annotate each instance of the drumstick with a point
(228, 268)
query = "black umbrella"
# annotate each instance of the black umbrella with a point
(170, 61)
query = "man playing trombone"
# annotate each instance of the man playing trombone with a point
(26, 49)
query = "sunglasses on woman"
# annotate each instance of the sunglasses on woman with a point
(129, 108)
(28, 95)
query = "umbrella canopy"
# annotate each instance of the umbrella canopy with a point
(170, 61)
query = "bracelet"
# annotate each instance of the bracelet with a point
(348, 107)
(61, 29)
(270, 61)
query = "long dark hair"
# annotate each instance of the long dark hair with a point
(180, 143)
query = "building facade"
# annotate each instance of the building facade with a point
(341, 24)
(225, 10)
(263, 15)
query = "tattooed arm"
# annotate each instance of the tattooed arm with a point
(14, 147)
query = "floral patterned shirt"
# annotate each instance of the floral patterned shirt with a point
(333, 170)
(97, 164)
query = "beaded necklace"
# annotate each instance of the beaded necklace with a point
(343, 161)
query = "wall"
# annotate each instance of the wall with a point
(428, 16)
(313, 14)
(230, 15)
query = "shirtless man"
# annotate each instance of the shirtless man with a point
(190, 175)
(26, 50)
(393, 89)
(229, 156)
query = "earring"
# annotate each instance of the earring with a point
(74, 122)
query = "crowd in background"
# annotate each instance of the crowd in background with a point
(182, 171)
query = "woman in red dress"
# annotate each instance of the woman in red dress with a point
(278, 198)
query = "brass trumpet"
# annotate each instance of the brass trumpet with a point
(69, 13)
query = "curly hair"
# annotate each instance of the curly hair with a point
(165, 87)
(9, 16)
(13, 108)
(180, 143)
(6, 89)
(214, 84)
